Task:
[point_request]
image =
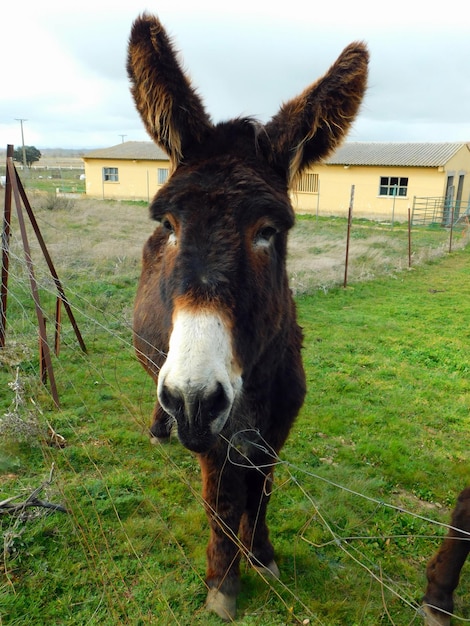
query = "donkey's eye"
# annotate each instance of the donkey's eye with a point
(167, 225)
(169, 231)
(265, 235)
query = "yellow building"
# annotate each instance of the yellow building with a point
(133, 170)
(388, 178)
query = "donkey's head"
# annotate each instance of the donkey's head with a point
(213, 294)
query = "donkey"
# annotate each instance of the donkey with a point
(443, 570)
(214, 319)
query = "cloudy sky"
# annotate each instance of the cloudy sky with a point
(63, 64)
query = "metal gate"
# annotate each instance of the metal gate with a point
(440, 211)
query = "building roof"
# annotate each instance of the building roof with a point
(395, 154)
(350, 153)
(130, 150)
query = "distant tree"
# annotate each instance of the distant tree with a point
(32, 155)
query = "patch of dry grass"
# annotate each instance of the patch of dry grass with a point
(317, 251)
(93, 233)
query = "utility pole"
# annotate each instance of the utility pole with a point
(122, 138)
(21, 120)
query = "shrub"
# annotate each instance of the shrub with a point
(55, 202)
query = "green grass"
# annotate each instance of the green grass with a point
(67, 180)
(380, 448)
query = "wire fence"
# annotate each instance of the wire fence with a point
(130, 514)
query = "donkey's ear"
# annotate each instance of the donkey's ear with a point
(170, 108)
(309, 127)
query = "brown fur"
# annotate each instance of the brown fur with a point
(443, 570)
(228, 191)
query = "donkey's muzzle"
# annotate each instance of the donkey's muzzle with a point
(200, 412)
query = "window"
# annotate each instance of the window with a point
(162, 175)
(308, 183)
(110, 174)
(393, 186)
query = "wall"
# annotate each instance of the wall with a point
(335, 183)
(137, 179)
(456, 166)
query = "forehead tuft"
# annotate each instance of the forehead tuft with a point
(228, 172)
(223, 187)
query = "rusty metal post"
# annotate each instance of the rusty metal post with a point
(33, 283)
(348, 236)
(50, 264)
(5, 253)
(15, 187)
(42, 357)
(58, 314)
(451, 234)
(409, 238)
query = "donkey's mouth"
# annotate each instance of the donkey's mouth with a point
(199, 441)
(200, 414)
(201, 435)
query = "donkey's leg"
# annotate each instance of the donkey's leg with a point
(443, 570)
(254, 532)
(224, 498)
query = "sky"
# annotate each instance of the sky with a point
(63, 64)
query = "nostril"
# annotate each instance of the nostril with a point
(217, 402)
(194, 404)
(171, 400)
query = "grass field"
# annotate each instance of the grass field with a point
(51, 174)
(373, 466)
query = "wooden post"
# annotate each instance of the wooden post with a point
(351, 203)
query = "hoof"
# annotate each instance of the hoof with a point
(435, 618)
(270, 571)
(224, 606)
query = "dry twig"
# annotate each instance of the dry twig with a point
(9, 506)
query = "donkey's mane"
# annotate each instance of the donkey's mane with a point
(240, 136)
